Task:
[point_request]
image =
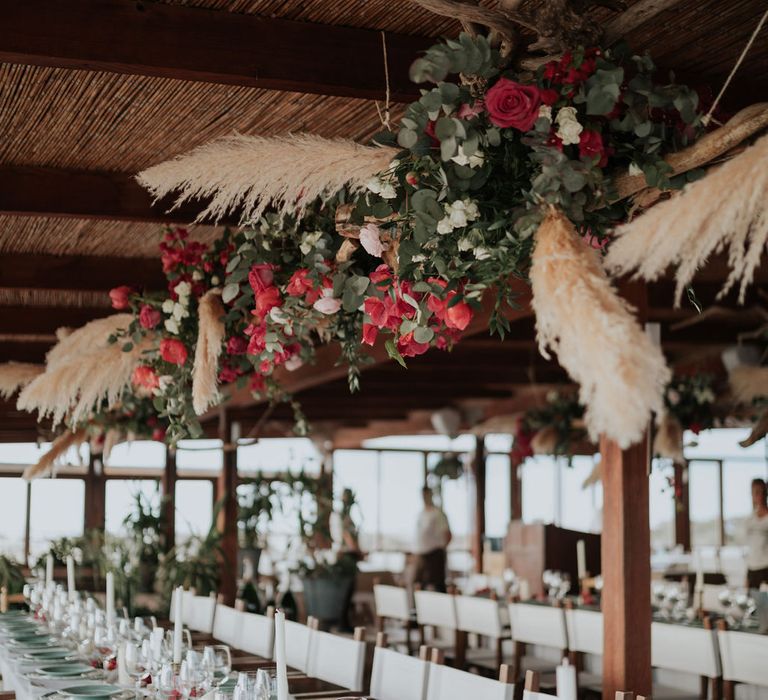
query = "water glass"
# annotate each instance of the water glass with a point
(166, 682)
(266, 685)
(220, 658)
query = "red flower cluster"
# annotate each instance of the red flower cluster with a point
(455, 316)
(566, 72)
(302, 284)
(177, 252)
(145, 377)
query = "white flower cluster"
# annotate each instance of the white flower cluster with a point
(309, 240)
(568, 127)
(177, 310)
(475, 160)
(480, 252)
(457, 215)
(384, 184)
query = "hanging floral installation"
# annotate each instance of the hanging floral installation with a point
(498, 173)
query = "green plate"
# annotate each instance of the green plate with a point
(65, 670)
(52, 654)
(91, 692)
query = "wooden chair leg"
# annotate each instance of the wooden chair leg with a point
(703, 687)
(717, 691)
(460, 649)
(518, 660)
(728, 690)
(500, 653)
(422, 638)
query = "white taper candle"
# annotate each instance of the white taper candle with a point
(581, 559)
(71, 576)
(177, 625)
(282, 670)
(49, 570)
(110, 597)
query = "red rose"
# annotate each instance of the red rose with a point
(257, 383)
(119, 297)
(370, 332)
(145, 378)
(227, 374)
(591, 146)
(266, 300)
(512, 105)
(149, 317)
(299, 284)
(549, 96)
(236, 345)
(173, 351)
(260, 277)
(458, 316)
(258, 340)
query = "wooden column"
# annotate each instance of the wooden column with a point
(478, 473)
(626, 557)
(682, 507)
(95, 496)
(168, 488)
(515, 490)
(226, 491)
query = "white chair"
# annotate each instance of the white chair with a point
(531, 687)
(257, 634)
(393, 603)
(482, 617)
(683, 649)
(186, 605)
(396, 676)
(337, 660)
(438, 611)
(744, 657)
(298, 641)
(226, 625)
(198, 612)
(585, 636)
(541, 626)
(446, 683)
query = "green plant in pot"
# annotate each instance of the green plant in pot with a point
(145, 526)
(11, 576)
(328, 577)
(256, 502)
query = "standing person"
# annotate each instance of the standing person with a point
(433, 535)
(345, 534)
(757, 536)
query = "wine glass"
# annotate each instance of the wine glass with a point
(266, 684)
(221, 660)
(246, 685)
(136, 662)
(166, 681)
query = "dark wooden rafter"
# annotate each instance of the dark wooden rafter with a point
(184, 43)
(46, 319)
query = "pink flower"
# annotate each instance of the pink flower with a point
(468, 111)
(145, 378)
(327, 303)
(370, 239)
(260, 277)
(173, 351)
(512, 105)
(381, 276)
(408, 347)
(149, 317)
(236, 345)
(120, 297)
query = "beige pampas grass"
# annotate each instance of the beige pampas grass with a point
(544, 442)
(726, 209)
(759, 431)
(621, 373)
(59, 448)
(748, 383)
(668, 441)
(83, 370)
(15, 375)
(254, 172)
(210, 338)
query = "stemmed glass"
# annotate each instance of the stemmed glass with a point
(266, 685)
(136, 662)
(166, 682)
(219, 658)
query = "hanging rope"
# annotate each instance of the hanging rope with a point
(708, 116)
(384, 117)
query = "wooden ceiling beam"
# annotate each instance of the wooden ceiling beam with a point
(213, 46)
(36, 191)
(46, 319)
(24, 352)
(79, 272)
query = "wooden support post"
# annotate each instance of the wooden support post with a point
(515, 490)
(226, 490)
(95, 495)
(27, 520)
(478, 472)
(682, 507)
(168, 488)
(626, 557)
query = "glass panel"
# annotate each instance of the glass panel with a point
(662, 505)
(497, 496)
(722, 442)
(737, 495)
(121, 498)
(138, 454)
(58, 507)
(359, 471)
(31, 452)
(423, 442)
(402, 478)
(199, 455)
(579, 507)
(457, 506)
(703, 491)
(194, 507)
(13, 510)
(271, 455)
(539, 489)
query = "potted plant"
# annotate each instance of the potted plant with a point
(256, 503)
(145, 526)
(11, 576)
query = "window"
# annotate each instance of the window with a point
(662, 505)
(704, 504)
(273, 455)
(57, 511)
(31, 452)
(497, 497)
(359, 471)
(194, 507)
(121, 499)
(138, 454)
(13, 514)
(539, 489)
(402, 478)
(737, 495)
(578, 506)
(199, 455)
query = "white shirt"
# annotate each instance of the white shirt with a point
(757, 542)
(431, 531)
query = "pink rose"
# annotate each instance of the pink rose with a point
(120, 297)
(512, 105)
(370, 239)
(145, 378)
(173, 351)
(467, 112)
(149, 317)
(458, 316)
(299, 284)
(327, 303)
(260, 277)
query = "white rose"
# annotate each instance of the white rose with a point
(182, 289)
(458, 214)
(569, 130)
(168, 305)
(482, 253)
(444, 225)
(172, 326)
(388, 191)
(197, 275)
(465, 244)
(293, 363)
(179, 312)
(546, 112)
(370, 239)
(215, 281)
(471, 209)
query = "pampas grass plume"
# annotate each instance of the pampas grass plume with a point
(210, 339)
(621, 373)
(58, 449)
(15, 375)
(748, 383)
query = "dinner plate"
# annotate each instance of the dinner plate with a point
(92, 692)
(65, 670)
(52, 654)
